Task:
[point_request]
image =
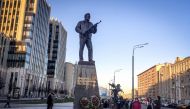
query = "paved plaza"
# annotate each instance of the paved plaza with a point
(44, 106)
(39, 106)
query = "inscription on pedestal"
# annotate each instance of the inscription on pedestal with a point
(86, 84)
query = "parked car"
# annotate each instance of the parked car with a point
(172, 105)
(181, 106)
(188, 107)
(165, 104)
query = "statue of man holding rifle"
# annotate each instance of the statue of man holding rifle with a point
(85, 28)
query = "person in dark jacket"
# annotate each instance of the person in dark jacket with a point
(50, 101)
(126, 104)
(130, 105)
(158, 103)
(8, 101)
(150, 104)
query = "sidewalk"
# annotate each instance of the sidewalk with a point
(12, 99)
(24, 101)
(38, 106)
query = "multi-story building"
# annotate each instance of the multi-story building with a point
(165, 82)
(56, 56)
(171, 81)
(180, 72)
(26, 22)
(4, 47)
(69, 78)
(148, 82)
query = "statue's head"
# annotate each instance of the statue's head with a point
(87, 16)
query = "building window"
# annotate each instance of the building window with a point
(28, 18)
(18, 4)
(11, 4)
(7, 4)
(17, 13)
(15, 4)
(16, 19)
(3, 4)
(2, 12)
(7, 28)
(27, 25)
(13, 12)
(5, 12)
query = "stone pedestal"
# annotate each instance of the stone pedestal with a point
(86, 83)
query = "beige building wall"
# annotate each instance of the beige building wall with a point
(69, 78)
(180, 71)
(148, 82)
(165, 82)
(170, 81)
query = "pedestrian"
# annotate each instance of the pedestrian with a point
(50, 101)
(150, 104)
(188, 107)
(126, 104)
(158, 103)
(136, 104)
(118, 104)
(8, 101)
(130, 104)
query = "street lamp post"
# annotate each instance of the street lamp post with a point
(118, 70)
(134, 47)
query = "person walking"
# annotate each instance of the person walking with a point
(8, 101)
(150, 104)
(136, 104)
(126, 104)
(158, 103)
(130, 104)
(50, 101)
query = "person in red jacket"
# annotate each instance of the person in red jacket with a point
(136, 104)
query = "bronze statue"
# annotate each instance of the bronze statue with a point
(85, 28)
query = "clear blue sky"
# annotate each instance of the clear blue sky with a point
(164, 24)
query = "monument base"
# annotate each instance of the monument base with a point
(86, 83)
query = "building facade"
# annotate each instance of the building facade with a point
(69, 78)
(169, 80)
(148, 82)
(56, 56)
(180, 79)
(26, 22)
(4, 47)
(165, 82)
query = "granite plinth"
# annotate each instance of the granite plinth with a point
(86, 83)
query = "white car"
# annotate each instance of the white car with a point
(165, 104)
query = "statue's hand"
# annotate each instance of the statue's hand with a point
(96, 25)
